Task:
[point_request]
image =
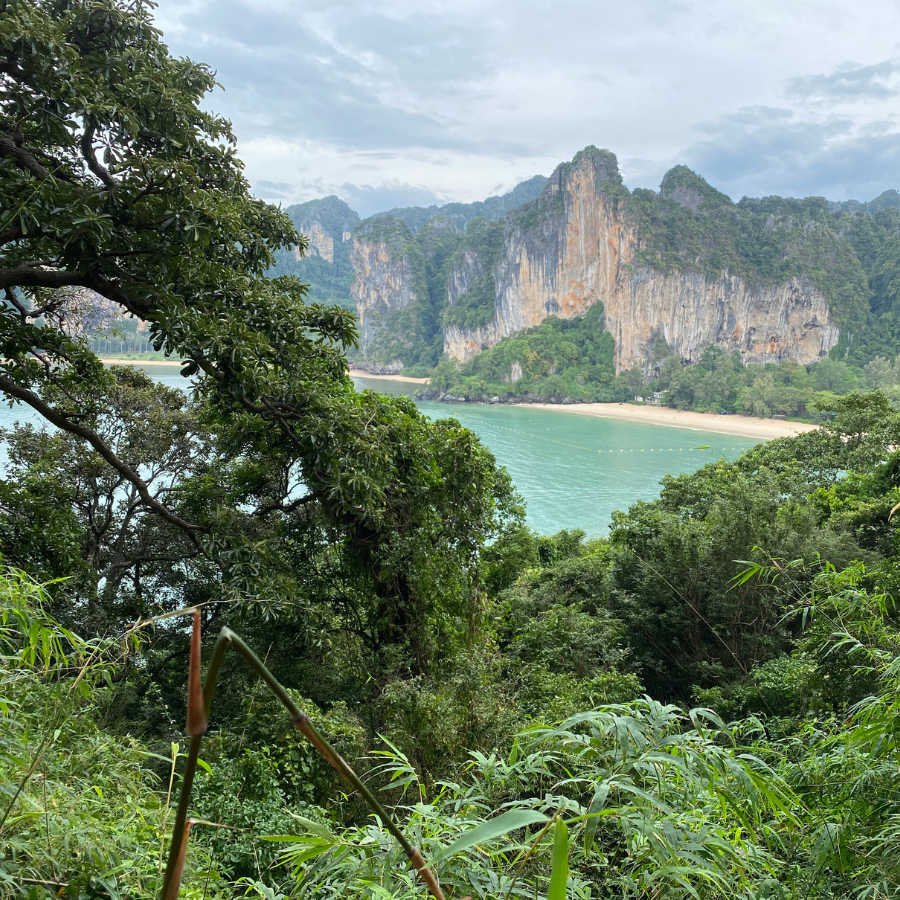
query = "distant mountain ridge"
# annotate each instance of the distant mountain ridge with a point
(460, 214)
(677, 269)
(329, 223)
(886, 200)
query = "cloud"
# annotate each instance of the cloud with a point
(387, 101)
(783, 152)
(273, 190)
(368, 199)
(849, 83)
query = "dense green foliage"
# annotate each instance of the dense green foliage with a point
(489, 683)
(558, 358)
(762, 589)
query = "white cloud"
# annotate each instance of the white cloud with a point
(451, 99)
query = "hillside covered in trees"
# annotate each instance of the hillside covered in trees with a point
(277, 638)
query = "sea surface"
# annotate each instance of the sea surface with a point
(572, 470)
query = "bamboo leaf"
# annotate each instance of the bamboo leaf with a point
(493, 828)
(593, 820)
(559, 874)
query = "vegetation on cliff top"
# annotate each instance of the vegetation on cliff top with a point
(689, 225)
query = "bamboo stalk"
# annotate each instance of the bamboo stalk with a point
(300, 720)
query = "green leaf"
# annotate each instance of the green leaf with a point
(559, 874)
(593, 820)
(492, 829)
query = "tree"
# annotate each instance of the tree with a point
(121, 561)
(113, 180)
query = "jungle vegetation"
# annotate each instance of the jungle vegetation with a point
(573, 359)
(702, 704)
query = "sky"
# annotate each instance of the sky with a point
(414, 102)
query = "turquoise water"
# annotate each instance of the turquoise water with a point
(572, 470)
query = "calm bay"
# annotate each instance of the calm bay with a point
(573, 471)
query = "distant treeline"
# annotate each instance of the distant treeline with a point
(573, 360)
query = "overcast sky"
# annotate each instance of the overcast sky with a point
(402, 102)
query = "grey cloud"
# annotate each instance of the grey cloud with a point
(383, 93)
(284, 79)
(849, 82)
(273, 190)
(368, 199)
(775, 151)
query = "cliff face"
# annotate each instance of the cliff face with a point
(577, 244)
(320, 242)
(326, 223)
(387, 281)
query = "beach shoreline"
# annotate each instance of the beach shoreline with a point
(356, 373)
(107, 361)
(112, 361)
(743, 426)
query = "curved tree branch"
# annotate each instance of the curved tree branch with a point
(36, 276)
(63, 422)
(24, 160)
(87, 150)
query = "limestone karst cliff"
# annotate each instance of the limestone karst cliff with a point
(327, 225)
(675, 271)
(388, 289)
(579, 244)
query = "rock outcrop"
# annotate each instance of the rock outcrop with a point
(320, 243)
(325, 223)
(388, 279)
(577, 245)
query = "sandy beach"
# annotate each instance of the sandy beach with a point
(356, 373)
(142, 362)
(746, 426)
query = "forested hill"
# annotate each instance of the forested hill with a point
(460, 214)
(329, 223)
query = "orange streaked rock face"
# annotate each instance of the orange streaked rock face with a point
(580, 250)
